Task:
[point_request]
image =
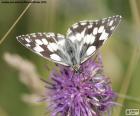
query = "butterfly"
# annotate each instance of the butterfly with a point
(80, 43)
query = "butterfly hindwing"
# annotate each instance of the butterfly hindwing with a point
(90, 35)
(47, 45)
(82, 41)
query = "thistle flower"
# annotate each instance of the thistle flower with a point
(84, 94)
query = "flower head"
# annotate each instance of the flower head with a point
(80, 94)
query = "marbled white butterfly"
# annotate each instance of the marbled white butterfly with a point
(80, 43)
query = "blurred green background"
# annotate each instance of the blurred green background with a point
(121, 54)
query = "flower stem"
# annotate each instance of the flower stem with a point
(14, 24)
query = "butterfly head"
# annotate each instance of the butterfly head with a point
(76, 67)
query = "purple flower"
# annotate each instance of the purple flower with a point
(79, 94)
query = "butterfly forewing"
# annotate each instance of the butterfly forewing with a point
(82, 40)
(47, 45)
(90, 35)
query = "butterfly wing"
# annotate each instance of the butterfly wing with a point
(47, 45)
(90, 35)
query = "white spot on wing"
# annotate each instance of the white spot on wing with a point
(95, 30)
(89, 26)
(90, 50)
(75, 25)
(60, 36)
(104, 36)
(112, 28)
(38, 48)
(87, 39)
(111, 22)
(50, 34)
(103, 20)
(55, 57)
(33, 34)
(45, 42)
(79, 36)
(52, 47)
(101, 29)
(18, 36)
(72, 38)
(40, 34)
(28, 45)
(39, 42)
(27, 39)
(83, 23)
(92, 39)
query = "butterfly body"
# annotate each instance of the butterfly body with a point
(80, 43)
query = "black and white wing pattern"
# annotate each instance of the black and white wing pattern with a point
(47, 45)
(90, 35)
(82, 40)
